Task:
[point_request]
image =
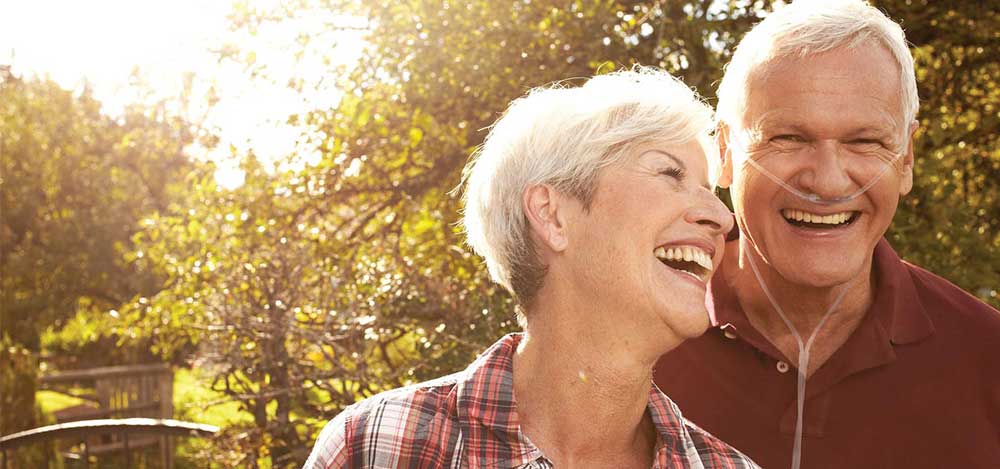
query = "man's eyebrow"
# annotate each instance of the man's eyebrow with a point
(869, 130)
(782, 125)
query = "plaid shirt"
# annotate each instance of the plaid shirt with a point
(469, 420)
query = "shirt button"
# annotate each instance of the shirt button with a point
(782, 367)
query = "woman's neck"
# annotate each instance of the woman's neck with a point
(580, 397)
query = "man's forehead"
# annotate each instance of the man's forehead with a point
(833, 83)
(876, 122)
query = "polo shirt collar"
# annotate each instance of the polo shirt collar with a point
(897, 303)
(895, 317)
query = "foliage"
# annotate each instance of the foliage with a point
(19, 408)
(74, 183)
(950, 223)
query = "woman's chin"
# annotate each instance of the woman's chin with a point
(688, 323)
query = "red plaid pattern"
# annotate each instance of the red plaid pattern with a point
(468, 420)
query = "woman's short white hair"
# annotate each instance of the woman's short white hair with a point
(563, 136)
(810, 27)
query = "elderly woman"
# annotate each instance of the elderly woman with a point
(592, 206)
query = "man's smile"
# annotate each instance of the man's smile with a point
(813, 220)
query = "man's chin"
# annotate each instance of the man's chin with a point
(820, 278)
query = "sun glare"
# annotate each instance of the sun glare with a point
(129, 51)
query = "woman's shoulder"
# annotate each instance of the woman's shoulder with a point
(715, 453)
(381, 425)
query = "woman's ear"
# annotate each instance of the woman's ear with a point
(545, 209)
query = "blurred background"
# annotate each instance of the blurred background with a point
(239, 216)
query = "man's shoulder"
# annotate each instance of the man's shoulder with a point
(945, 301)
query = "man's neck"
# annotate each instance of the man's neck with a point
(804, 306)
(579, 404)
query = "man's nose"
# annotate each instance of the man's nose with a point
(826, 173)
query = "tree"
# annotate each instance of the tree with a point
(950, 223)
(74, 186)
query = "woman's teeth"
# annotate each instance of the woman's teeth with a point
(687, 259)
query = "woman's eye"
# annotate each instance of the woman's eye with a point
(675, 173)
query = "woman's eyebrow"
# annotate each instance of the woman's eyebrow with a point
(677, 160)
(683, 166)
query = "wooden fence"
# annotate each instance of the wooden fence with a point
(112, 394)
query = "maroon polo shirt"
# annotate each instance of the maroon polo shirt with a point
(917, 385)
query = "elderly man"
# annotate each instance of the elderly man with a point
(830, 350)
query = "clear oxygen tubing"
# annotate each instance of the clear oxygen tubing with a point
(814, 198)
(803, 363)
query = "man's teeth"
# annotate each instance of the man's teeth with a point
(833, 219)
(685, 253)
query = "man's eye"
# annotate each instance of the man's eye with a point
(787, 138)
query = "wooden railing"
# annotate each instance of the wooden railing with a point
(120, 391)
(116, 392)
(125, 429)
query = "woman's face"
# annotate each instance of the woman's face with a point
(651, 240)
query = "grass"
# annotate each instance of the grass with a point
(51, 401)
(192, 396)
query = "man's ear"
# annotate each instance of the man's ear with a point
(545, 209)
(906, 172)
(725, 156)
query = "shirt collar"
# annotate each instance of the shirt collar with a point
(487, 413)
(897, 303)
(675, 445)
(896, 306)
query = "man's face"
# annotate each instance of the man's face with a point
(826, 125)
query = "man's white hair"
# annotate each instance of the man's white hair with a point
(562, 137)
(810, 27)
